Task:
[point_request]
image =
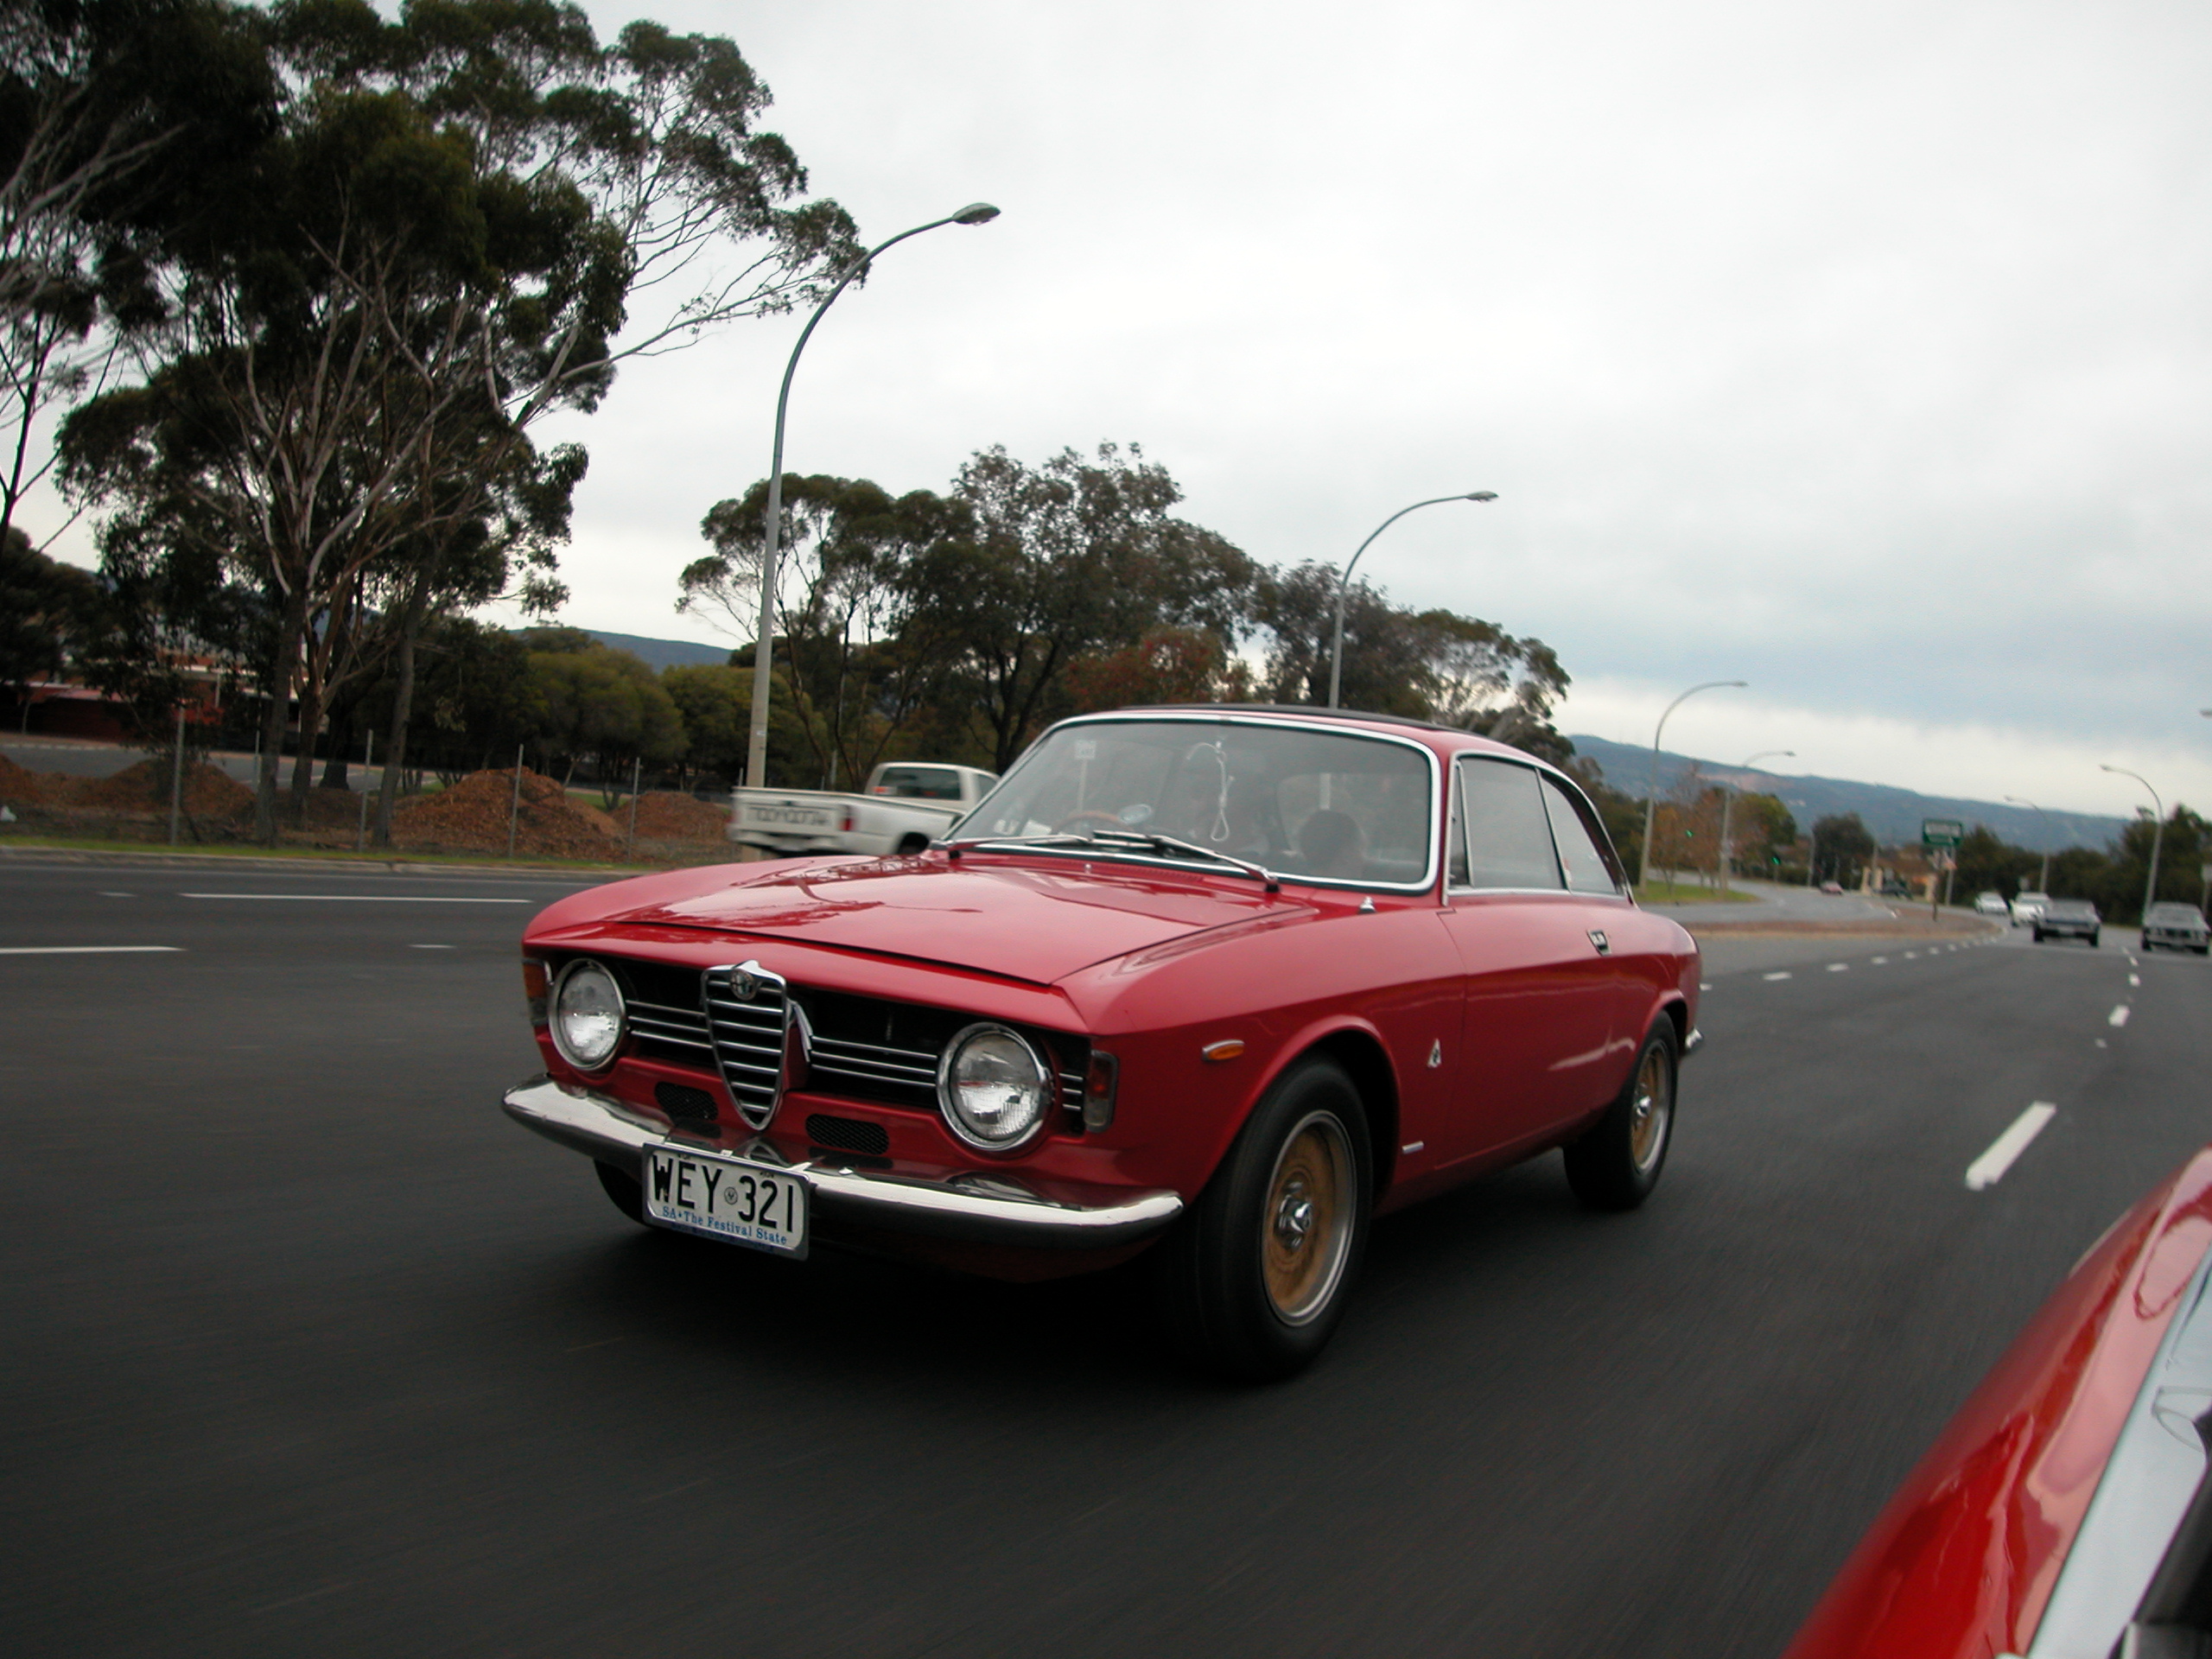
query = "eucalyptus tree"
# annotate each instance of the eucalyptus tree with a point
(468, 217)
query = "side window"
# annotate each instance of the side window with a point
(1587, 870)
(1509, 843)
(1455, 838)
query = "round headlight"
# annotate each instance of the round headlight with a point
(993, 1087)
(587, 1015)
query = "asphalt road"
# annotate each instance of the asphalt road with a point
(304, 1349)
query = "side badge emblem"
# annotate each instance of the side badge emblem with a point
(1436, 1054)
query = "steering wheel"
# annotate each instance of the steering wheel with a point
(1075, 818)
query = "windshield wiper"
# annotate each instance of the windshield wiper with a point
(1158, 843)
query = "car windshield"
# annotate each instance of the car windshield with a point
(2173, 915)
(2070, 909)
(1301, 803)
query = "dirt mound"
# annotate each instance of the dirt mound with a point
(143, 786)
(21, 785)
(663, 816)
(472, 815)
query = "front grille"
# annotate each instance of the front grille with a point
(684, 1103)
(748, 1013)
(847, 1134)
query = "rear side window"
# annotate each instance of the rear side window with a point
(1587, 870)
(1508, 841)
(919, 783)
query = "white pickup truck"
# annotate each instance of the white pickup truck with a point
(906, 805)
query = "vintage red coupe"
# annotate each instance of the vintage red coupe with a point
(2065, 1512)
(1221, 983)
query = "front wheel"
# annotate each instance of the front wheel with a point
(1617, 1162)
(2092, 941)
(1255, 1279)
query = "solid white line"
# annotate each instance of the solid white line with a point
(83, 949)
(1784, 974)
(2120, 1014)
(1988, 1169)
(358, 897)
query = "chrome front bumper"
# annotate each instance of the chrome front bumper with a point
(975, 1207)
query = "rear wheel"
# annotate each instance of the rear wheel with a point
(622, 1191)
(1617, 1162)
(909, 845)
(1255, 1278)
(2092, 940)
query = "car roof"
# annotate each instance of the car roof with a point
(1355, 718)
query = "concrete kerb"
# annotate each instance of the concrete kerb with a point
(309, 861)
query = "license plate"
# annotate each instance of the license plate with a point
(726, 1198)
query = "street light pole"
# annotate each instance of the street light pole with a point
(1651, 801)
(1727, 801)
(756, 754)
(1337, 649)
(2157, 832)
(2043, 877)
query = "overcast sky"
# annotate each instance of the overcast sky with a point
(1857, 352)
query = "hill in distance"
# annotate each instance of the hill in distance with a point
(1893, 815)
(657, 654)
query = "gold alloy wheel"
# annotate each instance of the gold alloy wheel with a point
(1649, 1108)
(1305, 1227)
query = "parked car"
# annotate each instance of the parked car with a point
(1835, 888)
(2178, 927)
(904, 806)
(2068, 918)
(1217, 984)
(2026, 906)
(1991, 904)
(2064, 1511)
(1896, 887)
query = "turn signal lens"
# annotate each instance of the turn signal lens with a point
(588, 1015)
(992, 1087)
(534, 988)
(1098, 1081)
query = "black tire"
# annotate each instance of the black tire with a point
(1255, 1278)
(1616, 1161)
(2038, 935)
(908, 846)
(623, 1191)
(2092, 941)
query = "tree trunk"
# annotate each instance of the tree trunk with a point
(403, 708)
(273, 723)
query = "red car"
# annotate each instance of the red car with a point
(2063, 1514)
(1220, 983)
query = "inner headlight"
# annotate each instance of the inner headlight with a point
(993, 1087)
(587, 1015)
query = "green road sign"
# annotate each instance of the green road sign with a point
(1942, 832)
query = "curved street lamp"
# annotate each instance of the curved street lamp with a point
(1728, 801)
(1337, 649)
(756, 754)
(2157, 832)
(2043, 879)
(1651, 801)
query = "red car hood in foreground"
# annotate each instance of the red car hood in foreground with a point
(1029, 921)
(1964, 1559)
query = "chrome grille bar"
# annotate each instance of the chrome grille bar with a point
(686, 1027)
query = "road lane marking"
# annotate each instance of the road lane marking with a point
(1912, 956)
(2120, 1014)
(430, 947)
(1881, 962)
(84, 950)
(359, 897)
(1784, 974)
(2135, 979)
(1839, 967)
(1988, 1169)
(105, 893)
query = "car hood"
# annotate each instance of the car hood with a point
(1020, 921)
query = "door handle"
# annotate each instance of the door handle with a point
(1597, 937)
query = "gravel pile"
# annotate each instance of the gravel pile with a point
(472, 816)
(665, 816)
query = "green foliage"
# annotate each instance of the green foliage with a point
(1842, 848)
(715, 702)
(606, 706)
(44, 606)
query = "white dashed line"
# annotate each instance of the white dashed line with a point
(84, 950)
(1911, 955)
(105, 893)
(2135, 979)
(2120, 1014)
(1704, 984)
(1784, 974)
(1988, 1169)
(1881, 962)
(431, 947)
(357, 898)
(1839, 967)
